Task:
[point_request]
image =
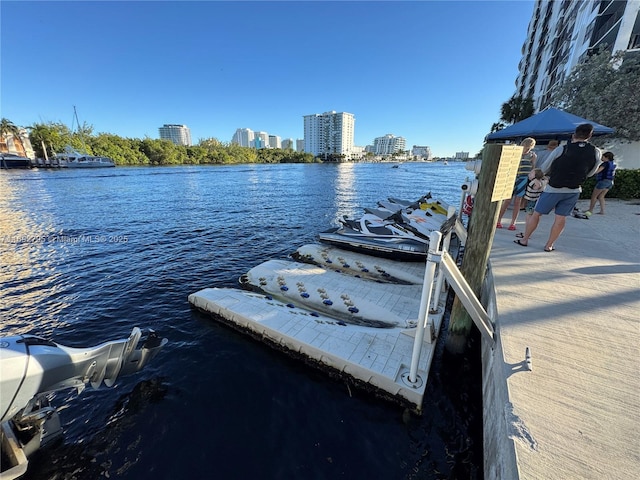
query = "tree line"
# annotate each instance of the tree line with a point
(54, 137)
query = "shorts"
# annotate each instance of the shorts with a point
(604, 184)
(520, 185)
(562, 203)
(530, 206)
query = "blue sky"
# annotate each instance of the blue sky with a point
(433, 72)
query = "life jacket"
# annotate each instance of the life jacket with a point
(531, 192)
(608, 172)
(571, 168)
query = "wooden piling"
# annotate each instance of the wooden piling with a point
(496, 179)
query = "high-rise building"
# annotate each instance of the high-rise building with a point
(243, 137)
(261, 140)
(562, 34)
(423, 152)
(274, 141)
(299, 144)
(329, 133)
(388, 145)
(287, 144)
(178, 134)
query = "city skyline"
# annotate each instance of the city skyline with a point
(434, 73)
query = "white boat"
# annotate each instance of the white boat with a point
(71, 158)
(32, 368)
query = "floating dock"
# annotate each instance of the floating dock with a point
(354, 316)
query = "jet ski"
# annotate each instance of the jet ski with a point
(396, 229)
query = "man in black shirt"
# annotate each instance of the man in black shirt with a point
(567, 167)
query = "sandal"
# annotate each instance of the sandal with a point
(499, 225)
(520, 235)
(520, 243)
(511, 227)
(549, 249)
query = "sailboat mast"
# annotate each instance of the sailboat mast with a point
(80, 132)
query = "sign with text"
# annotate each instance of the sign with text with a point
(506, 174)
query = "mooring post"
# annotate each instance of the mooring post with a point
(499, 162)
(425, 300)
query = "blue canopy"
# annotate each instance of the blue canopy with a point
(551, 123)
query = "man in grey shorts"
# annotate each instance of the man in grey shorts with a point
(567, 167)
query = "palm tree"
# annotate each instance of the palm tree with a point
(7, 129)
(516, 109)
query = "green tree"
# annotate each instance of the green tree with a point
(497, 126)
(517, 108)
(55, 137)
(604, 88)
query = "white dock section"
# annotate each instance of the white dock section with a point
(575, 413)
(364, 266)
(378, 359)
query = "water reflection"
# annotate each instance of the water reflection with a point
(28, 261)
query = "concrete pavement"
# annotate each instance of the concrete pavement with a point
(576, 413)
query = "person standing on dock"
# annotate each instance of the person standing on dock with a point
(527, 163)
(544, 154)
(604, 182)
(567, 168)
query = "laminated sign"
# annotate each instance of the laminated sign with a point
(506, 174)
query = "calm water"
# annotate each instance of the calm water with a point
(87, 255)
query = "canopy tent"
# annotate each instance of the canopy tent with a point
(549, 124)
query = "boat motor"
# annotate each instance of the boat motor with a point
(32, 368)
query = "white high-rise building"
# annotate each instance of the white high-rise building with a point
(299, 144)
(178, 134)
(423, 152)
(388, 145)
(329, 133)
(274, 141)
(562, 33)
(243, 137)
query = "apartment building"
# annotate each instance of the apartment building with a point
(422, 151)
(562, 33)
(287, 144)
(275, 141)
(178, 134)
(388, 145)
(243, 137)
(329, 133)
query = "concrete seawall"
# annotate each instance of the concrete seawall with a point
(573, 414)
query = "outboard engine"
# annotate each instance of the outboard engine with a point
(31, 368)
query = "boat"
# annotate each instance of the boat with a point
(32, 368)
(72, 158)
(11, 160)
(397, 229)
